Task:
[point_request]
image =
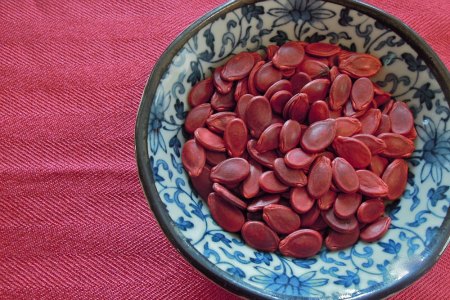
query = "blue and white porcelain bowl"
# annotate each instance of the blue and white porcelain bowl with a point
(412, 72)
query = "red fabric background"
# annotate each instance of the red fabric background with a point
(74, 222)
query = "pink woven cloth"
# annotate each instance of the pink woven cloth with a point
(74, 222)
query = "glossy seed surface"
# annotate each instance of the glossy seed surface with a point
(230, 171)
(301, 244)
(235, 137)
(281, 219)
(298, 148)
(319, 177)
(259, 236)
(226, 215)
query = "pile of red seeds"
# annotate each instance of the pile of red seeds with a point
(298, 147)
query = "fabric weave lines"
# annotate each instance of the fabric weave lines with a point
(74, 222)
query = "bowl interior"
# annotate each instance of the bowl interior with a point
(420, 225)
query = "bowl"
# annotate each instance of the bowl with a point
(412, 72)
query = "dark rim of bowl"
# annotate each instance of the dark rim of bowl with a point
(211, 271)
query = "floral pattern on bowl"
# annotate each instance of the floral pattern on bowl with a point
(418, 221)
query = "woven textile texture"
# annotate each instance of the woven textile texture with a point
(74, 222)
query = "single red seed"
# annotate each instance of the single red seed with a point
(288, 176)
(201, 92)
(370, 121)
(353, 150)
(202, 183)
(300, 201)
(209, 140)
(252, 78)
(226, 195)
(193, 158)
(338, 241)
(301, 243)
(230, 171)
(298, 159)
(346, 205)
(397, 146)
(282, 85)
(361, 93)
(347, 126)
(242, 104)
(319, 135)
(314, 68)
(289, 135)
(340, 91)
(235, 137)
(339, 225)
(322, 49)
(319, 177)
(269, 138)
(241, 89)
(260, 202)
(259, 236)
(250, 186)
(310, 217)
(402, 120)
(238, 67)
(371, 185)
(279, 100)
(266, 159)
(378, 164)
(258, 115)
(269, 183)
(327, 200)
(344, 175)
(289, 55)
(396, 177)
(218, 121)
(227, 216)
(316, 89)
(319, 111)
(266, 76)
(359, 65)
(281, 219)
(222, 86)
(297, 108)
(376, 230)
(370, 210)
(374, 144)
(298, 81)
(197, 117)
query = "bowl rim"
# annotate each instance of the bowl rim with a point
(207, 268)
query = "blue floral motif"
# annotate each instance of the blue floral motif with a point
(301, 12)
(160, 105)
(436, 149)
(415, 221)
(304, 285)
